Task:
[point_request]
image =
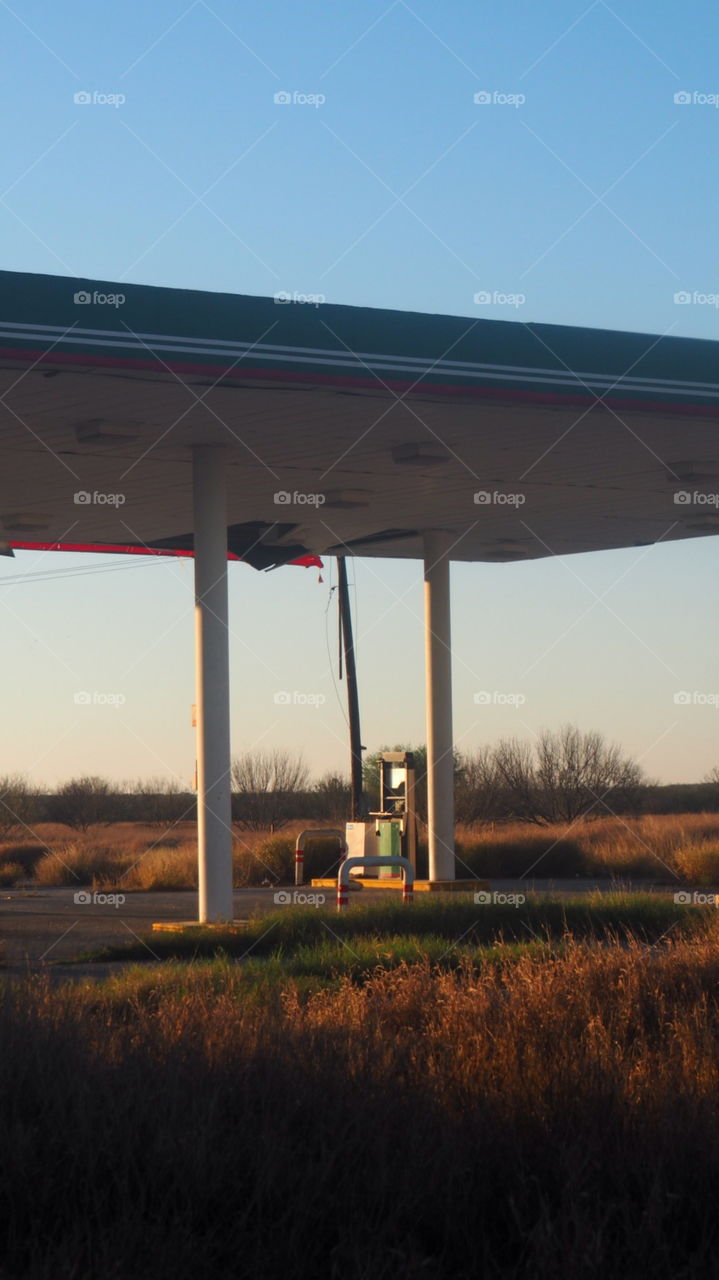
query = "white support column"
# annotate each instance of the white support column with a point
(212, 682)
(438, 674)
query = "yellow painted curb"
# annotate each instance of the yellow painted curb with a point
(420, 886)
(180, 926)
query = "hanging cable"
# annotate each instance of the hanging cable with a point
(330, 660)
(354, 593)
(82, 571)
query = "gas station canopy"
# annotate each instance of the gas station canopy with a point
(347, 430)
(148, 419)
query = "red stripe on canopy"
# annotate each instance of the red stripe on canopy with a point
(307, 562)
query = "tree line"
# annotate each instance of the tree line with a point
(559, 776)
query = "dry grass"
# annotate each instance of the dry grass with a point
(159, 868)
(545, 1119)
(699, 863)
(620, 847)
(80, 862)
(662, 848)
(10, 874)
(132, 856)
(99, 857)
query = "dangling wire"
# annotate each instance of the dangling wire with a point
(80, 571)
(340, 646)
(330, 661)
(353, 584)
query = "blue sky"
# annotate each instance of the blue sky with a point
(593, 194)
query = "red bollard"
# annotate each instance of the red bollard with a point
(299, 866)
(343, 895)
(407, 892)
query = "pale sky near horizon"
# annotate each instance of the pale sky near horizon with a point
(594, 198)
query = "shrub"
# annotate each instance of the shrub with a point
(25, 855)
(273, 859)
(163, 867)
(531, 855)
(10, 873)
(699, 863)
(82, 864)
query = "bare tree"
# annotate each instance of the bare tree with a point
(583, 773)
(162, 801)
(516, 775)
(265, 784)
(83, 802)
(17, 804)
(333, 797)
(478, 787)
(565, 774)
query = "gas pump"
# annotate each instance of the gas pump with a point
(393, 830)
(395, 822)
